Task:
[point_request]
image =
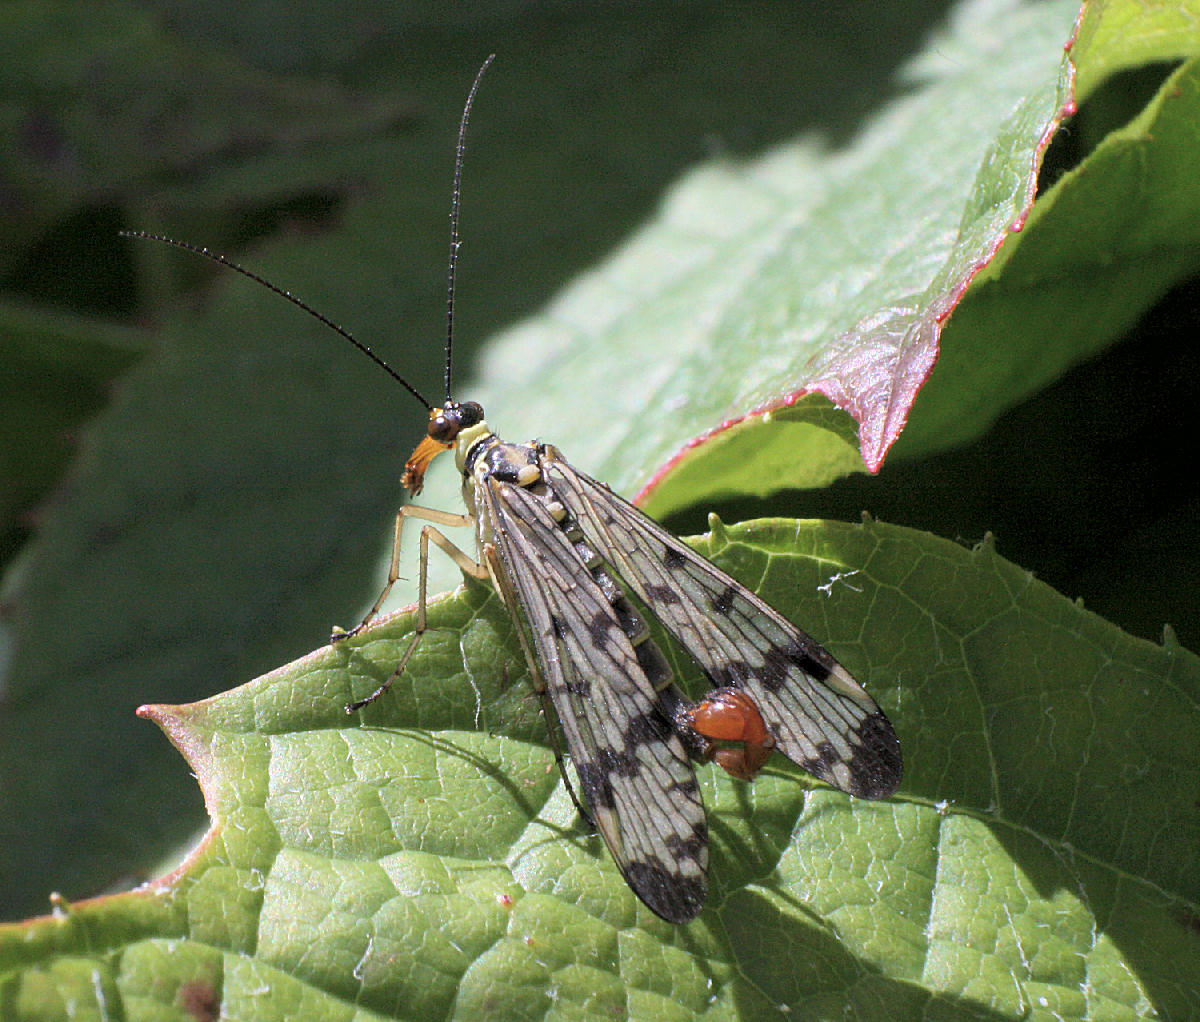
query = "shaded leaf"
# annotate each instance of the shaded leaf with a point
(55, 374)
(429, 862)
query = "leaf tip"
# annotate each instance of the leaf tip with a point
(987, 545)
(157, 712)
(1170, 641)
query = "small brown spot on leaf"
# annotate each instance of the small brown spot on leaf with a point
(199, 999)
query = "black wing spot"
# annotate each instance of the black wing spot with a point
(675, 898)
(578, 686)
(722, 603)
(876, 767)
(597, 788)
(673, 559)
(617, 763)
(598, 630)
(689, 789)
(644, 729)
(811, 766)
(660, 595)
(779, 660)
(730, 675)
(827, 757)
(821, 765)
(691, 847)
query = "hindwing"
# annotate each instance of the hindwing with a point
(821, 718)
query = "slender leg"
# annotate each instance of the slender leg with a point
(487, 569)
(428, 533)
(428, 514)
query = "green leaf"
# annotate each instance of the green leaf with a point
(1106, 240)
(804, 277)
(230, 504)
(427, 862)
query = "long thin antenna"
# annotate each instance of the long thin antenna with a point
(454, 242)
(300, 304)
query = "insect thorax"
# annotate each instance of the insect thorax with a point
(481, 455)
(485, 459)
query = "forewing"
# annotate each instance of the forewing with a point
(822, 719)
(633, 770)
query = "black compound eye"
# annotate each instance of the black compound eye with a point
(470, 413)
(446, 423)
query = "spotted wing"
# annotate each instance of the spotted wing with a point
(633, 770)
(822, 719)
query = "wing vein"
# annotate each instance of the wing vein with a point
(820, 716)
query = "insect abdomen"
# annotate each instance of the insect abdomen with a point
(649, 657)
